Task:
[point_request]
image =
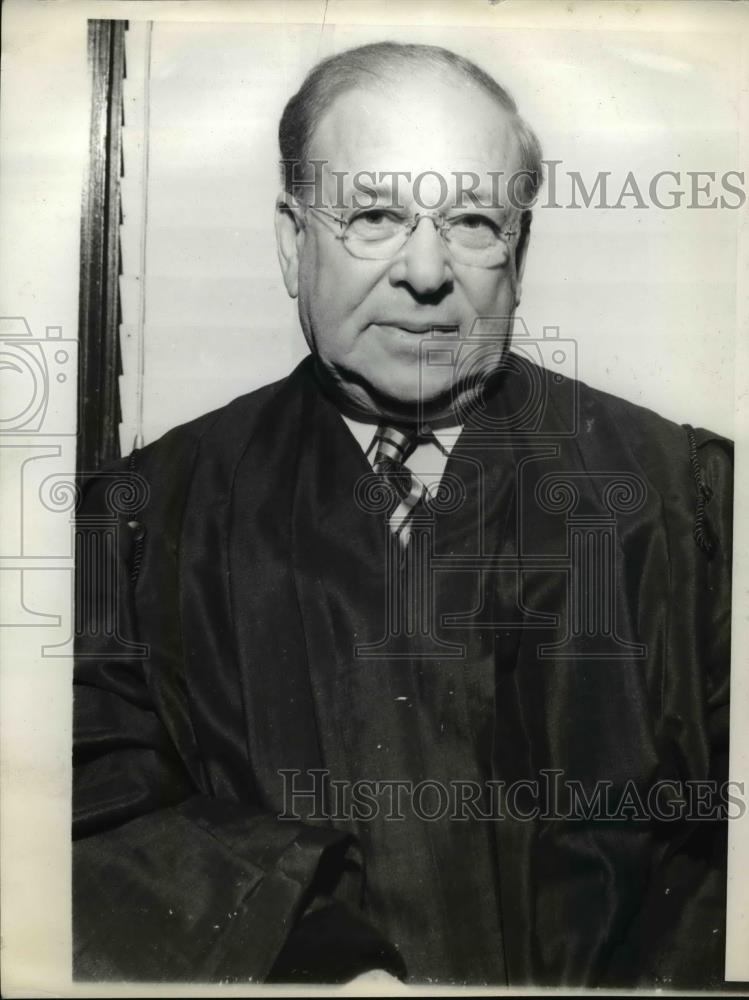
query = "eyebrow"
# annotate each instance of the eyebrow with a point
(360, 183)
(484, 195)
(362, 186)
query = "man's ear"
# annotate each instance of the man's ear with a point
(288, 230)
(521, 252)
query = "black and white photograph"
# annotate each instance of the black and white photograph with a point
(375, 382)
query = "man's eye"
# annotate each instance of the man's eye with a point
(374, 216)
(473, 222)
(475, 231)
(374, 224)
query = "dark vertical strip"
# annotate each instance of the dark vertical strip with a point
(99, 314)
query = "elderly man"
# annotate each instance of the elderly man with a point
(428, 644)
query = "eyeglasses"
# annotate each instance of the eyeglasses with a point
(378, 234)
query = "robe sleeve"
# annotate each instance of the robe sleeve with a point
(680, 931)
(692, 883)
(170, 882)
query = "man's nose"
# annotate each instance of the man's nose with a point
(424, 264)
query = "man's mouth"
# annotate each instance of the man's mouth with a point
(419, 327)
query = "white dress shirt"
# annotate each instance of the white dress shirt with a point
(428, 459)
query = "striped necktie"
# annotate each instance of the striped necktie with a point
(394, 445)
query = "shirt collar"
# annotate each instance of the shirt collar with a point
(365, 434)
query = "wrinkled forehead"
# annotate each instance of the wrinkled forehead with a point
(426, 127)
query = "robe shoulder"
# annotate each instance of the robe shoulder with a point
(646, 428)
(222, 428)
(169, 464)
(660, 448)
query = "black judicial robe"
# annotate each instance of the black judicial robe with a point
(252, 568)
